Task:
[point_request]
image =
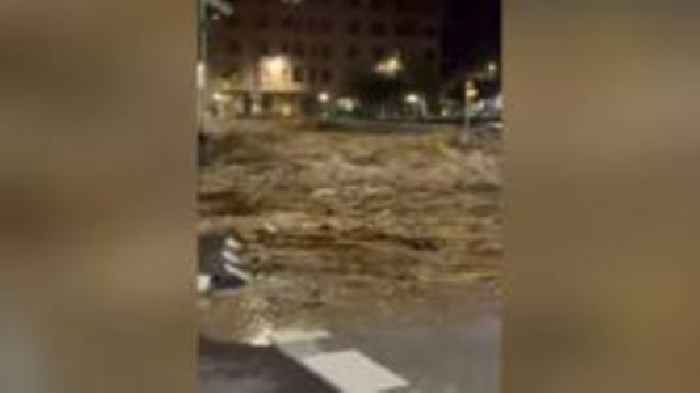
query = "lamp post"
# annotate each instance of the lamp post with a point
(226, 9)
(470, 92)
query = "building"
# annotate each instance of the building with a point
(289, 57)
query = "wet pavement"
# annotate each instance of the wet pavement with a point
(229, 368)
(454, 350)
(434, 359)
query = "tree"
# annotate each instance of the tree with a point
(377, 92)
(423, 78)
(383, 93)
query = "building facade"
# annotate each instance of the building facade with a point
(291, 57)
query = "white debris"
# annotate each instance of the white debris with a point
(233, 244)
(324, 193)
(270, 228)
(203, 283)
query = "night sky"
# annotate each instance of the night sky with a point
(472, 33)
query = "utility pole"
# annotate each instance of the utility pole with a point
(226, 9)
(469, 93)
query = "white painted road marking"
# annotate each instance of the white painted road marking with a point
(353, 372)
(350, 371)
(290, 336)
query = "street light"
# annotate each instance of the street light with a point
(412, 98)
(390, 66)
(226, 9)
(471, 90)
(218, 97)
(324, 97)
(492, 67)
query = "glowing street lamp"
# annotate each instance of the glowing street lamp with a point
(218, 97)
(471, 90)
(390, 66)
(324, 98)
(492, 67)
(412, 98)
(470, 93)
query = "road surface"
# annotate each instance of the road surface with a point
(460, 353)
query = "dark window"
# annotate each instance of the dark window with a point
(378, 4)
(235, 47)
(353, 3)
(299, 50)
(288, 22)
(326, 26)
(406, 28)
(379, 53)
(326, 76)
(430, 31)
(378, 28)
(430, 54)
(264, 48)
(354, 27)
(312, 26)
(313, 75)
(327, 52)
(263, 22)
(353, 52)
(298, 74)
(284, 48)
(401, 5)
(233, 22)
